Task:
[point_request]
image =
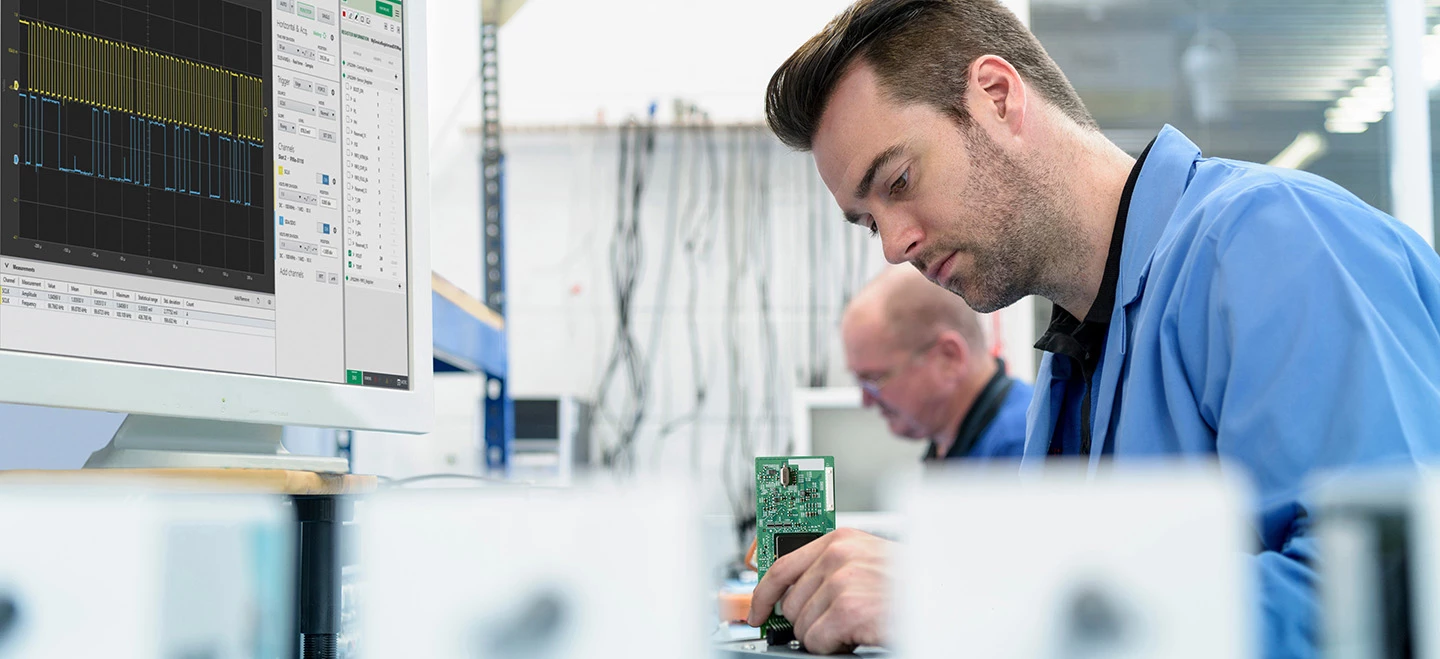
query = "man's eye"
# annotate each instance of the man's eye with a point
(874, 229)
(900, 183)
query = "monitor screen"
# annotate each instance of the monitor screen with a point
(216, 185)
(867, 455)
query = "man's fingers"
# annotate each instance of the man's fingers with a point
(849, 620)
(781, 575)
(799, 593)
(803, 613)
(827, 635)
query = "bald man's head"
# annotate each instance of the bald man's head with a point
(909, 311)
(917, 351)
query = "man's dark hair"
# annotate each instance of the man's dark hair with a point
(921, 51)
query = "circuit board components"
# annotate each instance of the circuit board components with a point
(794, 505)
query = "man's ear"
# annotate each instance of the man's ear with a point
(954, 349)
(998, 97)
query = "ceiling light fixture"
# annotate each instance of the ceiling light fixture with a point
(1307, 148)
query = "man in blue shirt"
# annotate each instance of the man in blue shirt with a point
(1203, 307)
(919, 355)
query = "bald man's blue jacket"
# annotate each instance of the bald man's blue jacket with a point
(1005, 436)
(1271, 318)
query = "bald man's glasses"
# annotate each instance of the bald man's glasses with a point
(873, 386)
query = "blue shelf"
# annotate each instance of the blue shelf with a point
(468, 337)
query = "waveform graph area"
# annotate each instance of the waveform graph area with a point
(136, 138)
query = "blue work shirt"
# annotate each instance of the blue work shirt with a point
(1271, 318)
(1005, 436)
(994, 426)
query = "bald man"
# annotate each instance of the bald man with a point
(919, 355)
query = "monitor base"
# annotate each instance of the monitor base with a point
(144, 442)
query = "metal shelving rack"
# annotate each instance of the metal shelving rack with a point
(470, 334)
(499, 409)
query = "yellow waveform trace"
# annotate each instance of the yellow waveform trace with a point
(116, 76)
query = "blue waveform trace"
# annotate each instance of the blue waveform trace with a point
(190, 160)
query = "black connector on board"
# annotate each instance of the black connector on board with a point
(780, 633)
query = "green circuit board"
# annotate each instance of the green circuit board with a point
(794, 504)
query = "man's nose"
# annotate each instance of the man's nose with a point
(900, 237)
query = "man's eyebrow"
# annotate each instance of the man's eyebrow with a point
(863, 189)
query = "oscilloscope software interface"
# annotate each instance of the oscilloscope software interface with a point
(206, 184)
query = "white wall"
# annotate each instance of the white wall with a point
(453, 51)
(565, 61)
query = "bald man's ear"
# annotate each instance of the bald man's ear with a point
(953, 347)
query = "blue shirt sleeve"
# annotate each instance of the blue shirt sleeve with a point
(1308, 334)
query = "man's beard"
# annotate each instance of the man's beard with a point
(1027, 232)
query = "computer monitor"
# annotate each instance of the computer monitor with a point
(832, 421)
(213, 216)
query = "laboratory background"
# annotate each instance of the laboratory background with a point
(510, 328)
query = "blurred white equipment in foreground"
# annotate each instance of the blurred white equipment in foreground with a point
(1379, 536)
(552, 574)
(1145, 563)
(125, 573)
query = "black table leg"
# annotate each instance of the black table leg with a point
(318, 577)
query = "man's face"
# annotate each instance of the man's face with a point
(944, 198)
(913, 395)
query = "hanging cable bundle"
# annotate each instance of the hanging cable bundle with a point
(637, 149)
(737, 434)
(693, 226)
(761, 258)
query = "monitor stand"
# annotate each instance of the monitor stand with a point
(145, 442)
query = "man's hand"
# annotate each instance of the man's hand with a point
(838, 591)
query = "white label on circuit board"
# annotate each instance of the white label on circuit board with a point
(809, 464)
(829, 489)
